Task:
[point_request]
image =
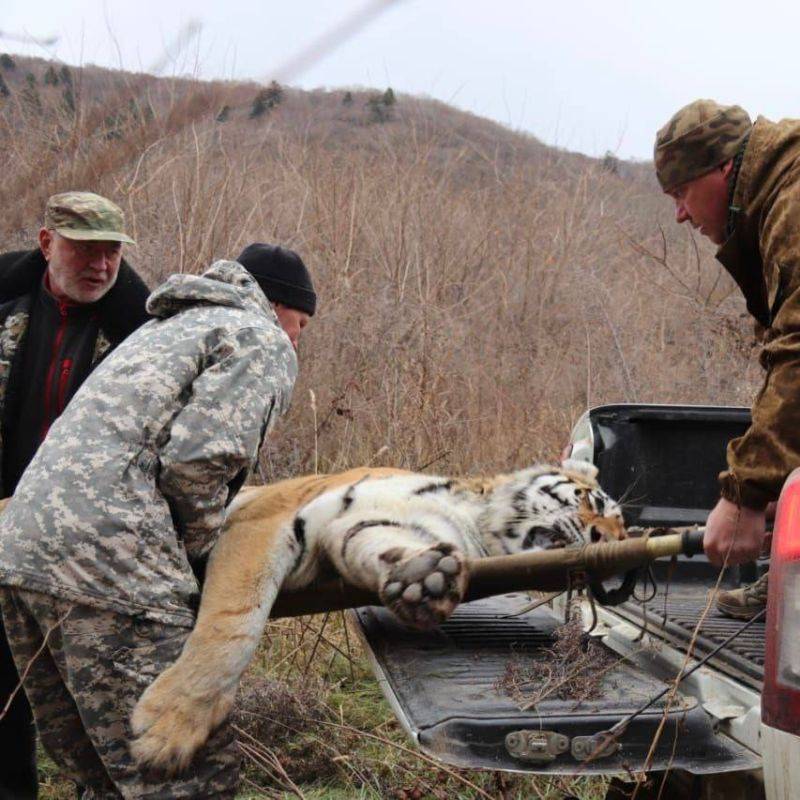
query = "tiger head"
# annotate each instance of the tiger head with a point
(541, 508)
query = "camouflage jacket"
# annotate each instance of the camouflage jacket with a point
(763, 256)
(134, 477)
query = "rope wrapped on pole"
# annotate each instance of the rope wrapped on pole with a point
(541, 570)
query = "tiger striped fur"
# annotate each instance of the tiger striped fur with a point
(400, 534)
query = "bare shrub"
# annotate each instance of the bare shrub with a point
(477, 289)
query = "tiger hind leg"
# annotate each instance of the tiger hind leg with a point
(418, 576)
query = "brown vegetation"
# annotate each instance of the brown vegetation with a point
(572, 669)
(478, 290)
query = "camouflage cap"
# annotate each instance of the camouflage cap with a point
(698, 138)
(86, 216)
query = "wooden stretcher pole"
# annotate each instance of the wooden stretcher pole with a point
(548, 571)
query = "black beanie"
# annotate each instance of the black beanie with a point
(281, 274)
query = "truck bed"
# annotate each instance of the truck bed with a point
(673, 615)
(663, 461)
(446, 686)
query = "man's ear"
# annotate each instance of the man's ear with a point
(46, 242)
(727, 168)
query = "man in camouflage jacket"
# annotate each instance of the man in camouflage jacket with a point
(130, 486)
(739, 184)
(63, 307)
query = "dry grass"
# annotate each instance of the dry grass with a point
(311, 706)
(478, 290)
(572, 669)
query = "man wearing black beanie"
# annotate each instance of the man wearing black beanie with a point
(285, 280)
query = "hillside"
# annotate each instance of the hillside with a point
(478, 289)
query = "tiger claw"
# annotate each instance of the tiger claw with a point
(171, 722)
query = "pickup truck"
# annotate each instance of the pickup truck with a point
(450, 688)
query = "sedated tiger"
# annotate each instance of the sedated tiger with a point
(403, 535)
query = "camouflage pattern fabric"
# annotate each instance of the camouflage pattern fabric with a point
(83, 682)
(12, 331)
(86, 216)
(763, 257)
(102, 346)
(133, 478)
(698, 138)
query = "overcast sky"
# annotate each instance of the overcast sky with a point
(582, 74)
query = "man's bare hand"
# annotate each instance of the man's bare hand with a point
(736, 529)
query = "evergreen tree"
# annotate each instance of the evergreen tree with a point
(273, 94)
(388, 97)
(224, 113)
(7, 63)
(68, 96)
(610, 163)
(65, 75)
(266, 99)
(378, 111)
(30, 94)
(4, 90)
(259, 105)
(113, 123)
(50, 77)
(347, 100)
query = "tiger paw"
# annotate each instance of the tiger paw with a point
(171, 723)
(424, 587)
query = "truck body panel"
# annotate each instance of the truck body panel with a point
(781, 770)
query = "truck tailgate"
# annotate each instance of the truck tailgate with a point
(448, 688)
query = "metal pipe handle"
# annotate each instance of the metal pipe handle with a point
(544, 570)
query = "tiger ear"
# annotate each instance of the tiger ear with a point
(583, 468)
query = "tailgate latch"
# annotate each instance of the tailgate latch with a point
(538, 747)
(588, 748)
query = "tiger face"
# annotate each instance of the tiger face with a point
(542, 508)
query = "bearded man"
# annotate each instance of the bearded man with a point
(64, 306)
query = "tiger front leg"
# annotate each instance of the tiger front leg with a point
(179, 710)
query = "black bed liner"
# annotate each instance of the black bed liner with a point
(446, 688)
(665, 460)
(742, 659)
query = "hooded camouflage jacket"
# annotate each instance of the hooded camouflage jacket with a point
(134, 477)
(763, 256)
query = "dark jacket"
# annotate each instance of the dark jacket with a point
(763, 257)
(30, 338)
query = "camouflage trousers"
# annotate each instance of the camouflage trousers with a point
(86, 668)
